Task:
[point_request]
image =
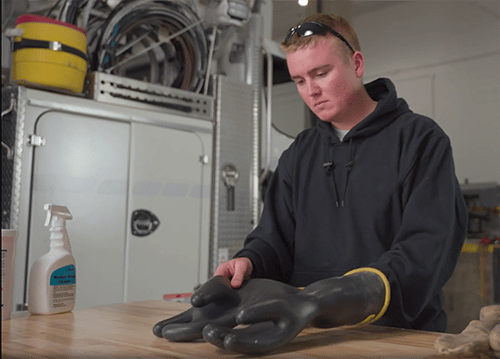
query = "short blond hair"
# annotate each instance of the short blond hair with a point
(336, 22)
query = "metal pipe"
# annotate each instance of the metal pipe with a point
(210, 58)
(132, 43)
(254, 78)
(86, 14)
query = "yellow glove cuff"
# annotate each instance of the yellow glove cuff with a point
(373, 318)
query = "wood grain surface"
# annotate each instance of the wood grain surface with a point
(125, 331)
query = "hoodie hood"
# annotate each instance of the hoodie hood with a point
(389, 108)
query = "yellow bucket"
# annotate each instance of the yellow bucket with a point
(49, 53)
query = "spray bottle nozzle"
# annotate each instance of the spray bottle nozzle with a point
(57, 215)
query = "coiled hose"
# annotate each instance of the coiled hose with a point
(166, 37)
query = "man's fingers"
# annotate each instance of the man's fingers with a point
(242, 271)
(231, 271)
(224, 271)
(238, 270)
(237, 280)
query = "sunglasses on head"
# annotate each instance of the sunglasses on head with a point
(309, 28)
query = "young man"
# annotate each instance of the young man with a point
(363, 210)
(372, 185)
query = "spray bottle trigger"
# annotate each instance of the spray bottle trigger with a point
(49, 216)
(59, 211)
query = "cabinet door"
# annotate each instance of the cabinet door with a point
(167, 183)
(84, 166)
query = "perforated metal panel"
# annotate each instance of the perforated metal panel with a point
(8, 136)
(232, 146)
(12, 137)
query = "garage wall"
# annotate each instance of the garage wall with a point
(444, 58)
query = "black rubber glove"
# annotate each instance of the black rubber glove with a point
(360, 296)
(216, 302)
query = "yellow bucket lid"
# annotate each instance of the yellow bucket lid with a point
(43, 19)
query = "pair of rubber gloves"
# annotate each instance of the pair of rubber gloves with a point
(275, 312)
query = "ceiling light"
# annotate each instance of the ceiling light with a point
(303, 2)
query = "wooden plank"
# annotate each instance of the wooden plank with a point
(125, 330)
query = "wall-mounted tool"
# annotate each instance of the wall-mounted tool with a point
(230, 176)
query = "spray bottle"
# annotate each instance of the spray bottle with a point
(52, 285)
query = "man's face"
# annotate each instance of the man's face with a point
(327, 79)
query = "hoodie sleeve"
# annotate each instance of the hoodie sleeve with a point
(270, 245)
(425, 250)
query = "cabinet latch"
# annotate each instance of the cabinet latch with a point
(36, 141)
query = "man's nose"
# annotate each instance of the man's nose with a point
(313, 89)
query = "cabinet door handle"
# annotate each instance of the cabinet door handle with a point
(143, 222)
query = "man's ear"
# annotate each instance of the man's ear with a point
(359, 63)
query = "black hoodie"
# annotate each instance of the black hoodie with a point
(385, 197)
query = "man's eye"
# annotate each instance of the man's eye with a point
(321, 74)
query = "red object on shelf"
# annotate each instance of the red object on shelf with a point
(177, 296)
(486, 241)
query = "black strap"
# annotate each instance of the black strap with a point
(51, 45)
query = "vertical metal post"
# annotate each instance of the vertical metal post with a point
(254, 74)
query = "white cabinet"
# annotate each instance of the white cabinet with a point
(167, 176)
(105, 163)
(84, 166)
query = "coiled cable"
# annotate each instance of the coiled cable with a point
(163, 35)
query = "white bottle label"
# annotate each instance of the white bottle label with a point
(63, 286)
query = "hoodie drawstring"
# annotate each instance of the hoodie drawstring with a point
(349, 165)
(328, 166)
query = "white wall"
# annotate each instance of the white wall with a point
(444, 58)
(289, 110)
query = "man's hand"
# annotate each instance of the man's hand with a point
(237, 270)
(218, 303)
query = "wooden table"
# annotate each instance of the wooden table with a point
(125, 331)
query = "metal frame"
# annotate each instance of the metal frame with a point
(129, 92)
